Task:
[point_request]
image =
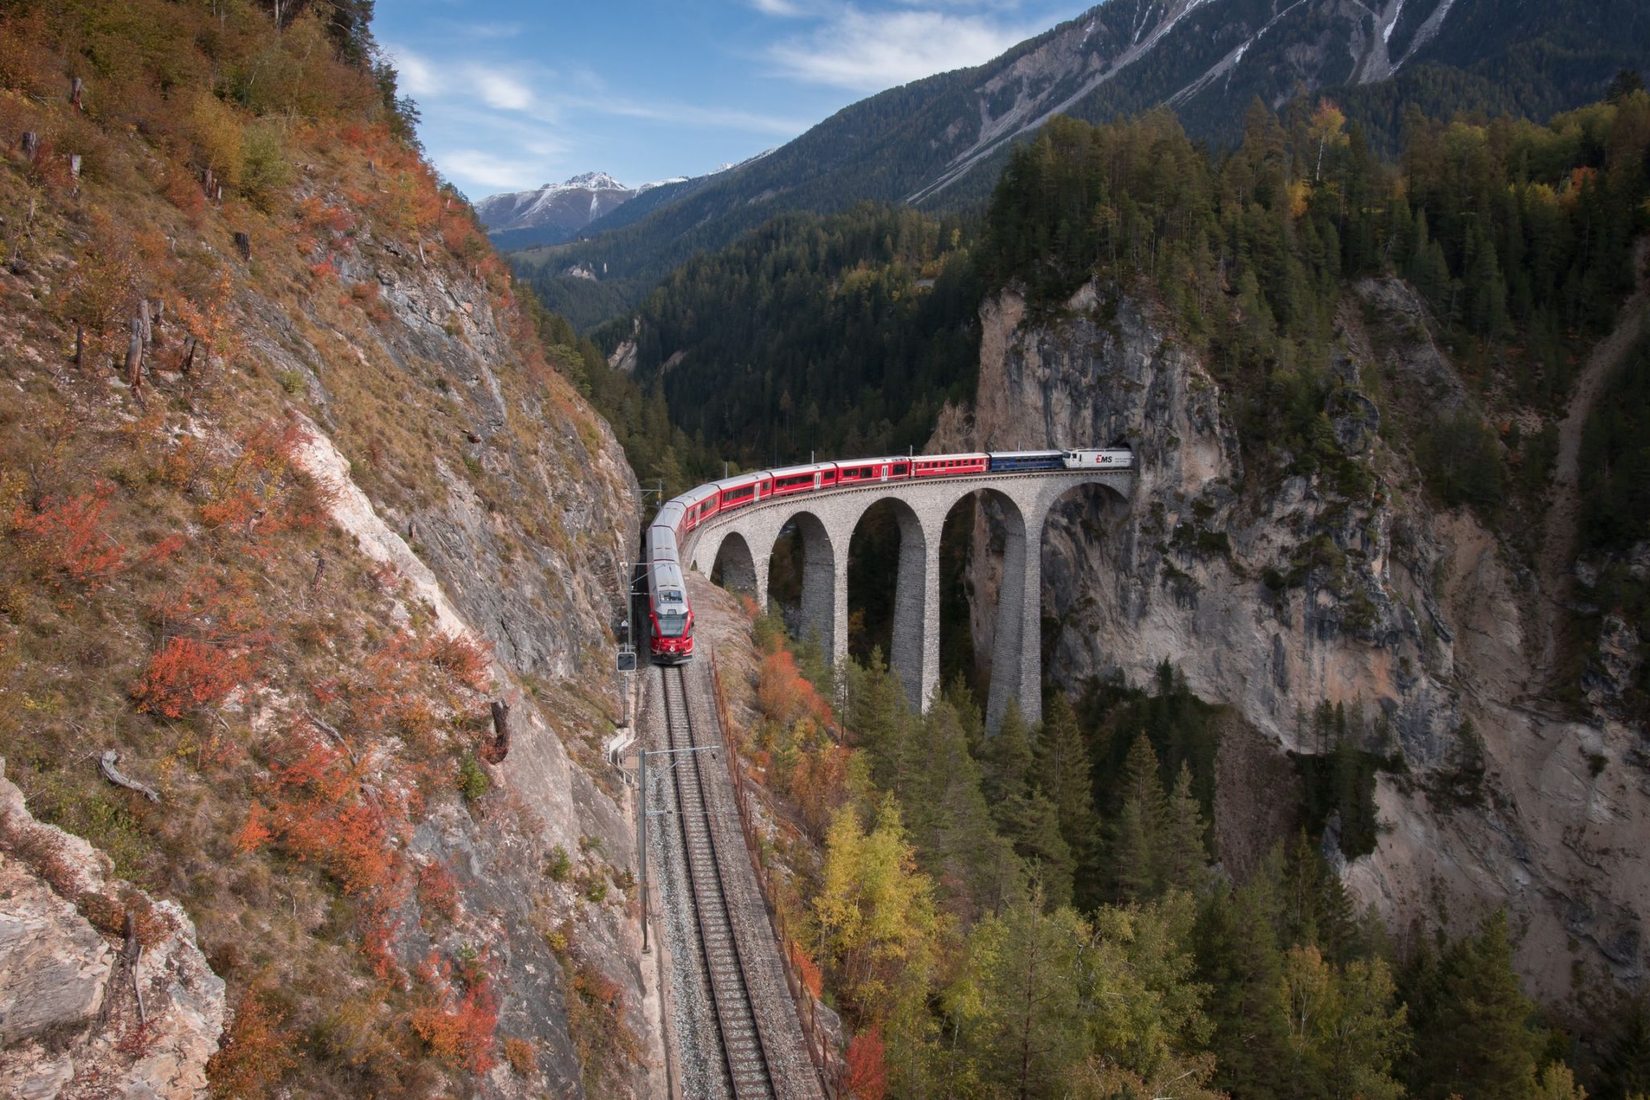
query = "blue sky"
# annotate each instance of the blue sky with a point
(515, 94)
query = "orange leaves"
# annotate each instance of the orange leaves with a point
(398, 688)
(818, 782)
(806, 968)
(67, 538)
(459, 1028)
(867, 1077)
(315, 214)
(215, 631)
(255, 1051)
(263, 492)
(320, 810)
(186, 674)
(438, 890)
(257, 831)
(784, 694)
(462, 657)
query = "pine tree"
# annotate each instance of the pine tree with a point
(1135, 838)
(1625, 1068)
(1183, 852)
(1018, 1002)
(1063, 774)
(1239, 960)
(1473, 1035)
(1008, 761)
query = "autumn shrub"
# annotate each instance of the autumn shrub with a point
(438, 890)
(187, 674)
(267, 167)
(519, 1053)
(807, 970)
(463, 657)
(784, 694)
(218, 137)
(255, 1051)
(24, 62)
(867, 1072)
(595, 1017)
(67, 538)
(318, 807)
(458, 1028)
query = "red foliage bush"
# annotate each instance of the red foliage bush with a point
(867, 1066)
(784, 694)
(67, 537)
(256, 1050)
(806, 968)
(320, 811)
(186, 674)
(438, 890)
(461, 1031)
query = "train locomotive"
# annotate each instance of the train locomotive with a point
(670, 618)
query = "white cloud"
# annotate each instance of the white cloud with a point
(418, 77)
(492, 172)
(688, 115)
(501, 90)
(867, 52)
(787, 8)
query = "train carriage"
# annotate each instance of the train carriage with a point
(950, 465)
(1021, 461)
(865, 471)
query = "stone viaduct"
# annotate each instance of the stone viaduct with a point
(743, 540)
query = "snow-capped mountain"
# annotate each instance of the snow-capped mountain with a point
(556, 211)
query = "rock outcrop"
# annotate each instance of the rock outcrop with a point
(1274, 598)
(103, 990)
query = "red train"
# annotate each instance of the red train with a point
(670, 618)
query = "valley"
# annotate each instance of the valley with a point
(1301, 754)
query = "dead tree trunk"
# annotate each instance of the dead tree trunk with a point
(243, 245)
(189, 357)
(77, 88)
(106, 764)
(79, 343)
(500, 748)
(134, 355)
(31, 145)
(145, 323)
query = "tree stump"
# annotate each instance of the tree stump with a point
(134, 355)
(500, 748)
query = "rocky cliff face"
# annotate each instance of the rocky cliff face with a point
(103, 990)
(342, 505)
(1273, 598)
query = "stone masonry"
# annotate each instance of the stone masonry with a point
(744, 542)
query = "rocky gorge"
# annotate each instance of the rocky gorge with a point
(1273, 594)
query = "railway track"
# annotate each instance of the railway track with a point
(745, 1060)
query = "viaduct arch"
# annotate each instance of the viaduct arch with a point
(825, 521)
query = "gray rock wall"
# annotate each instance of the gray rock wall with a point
(1274, 598)
(70, 1021)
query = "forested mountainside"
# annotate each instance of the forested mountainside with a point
(1342, 634)
(307, 540)
(941, 142)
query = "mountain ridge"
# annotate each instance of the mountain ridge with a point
(939, 142)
